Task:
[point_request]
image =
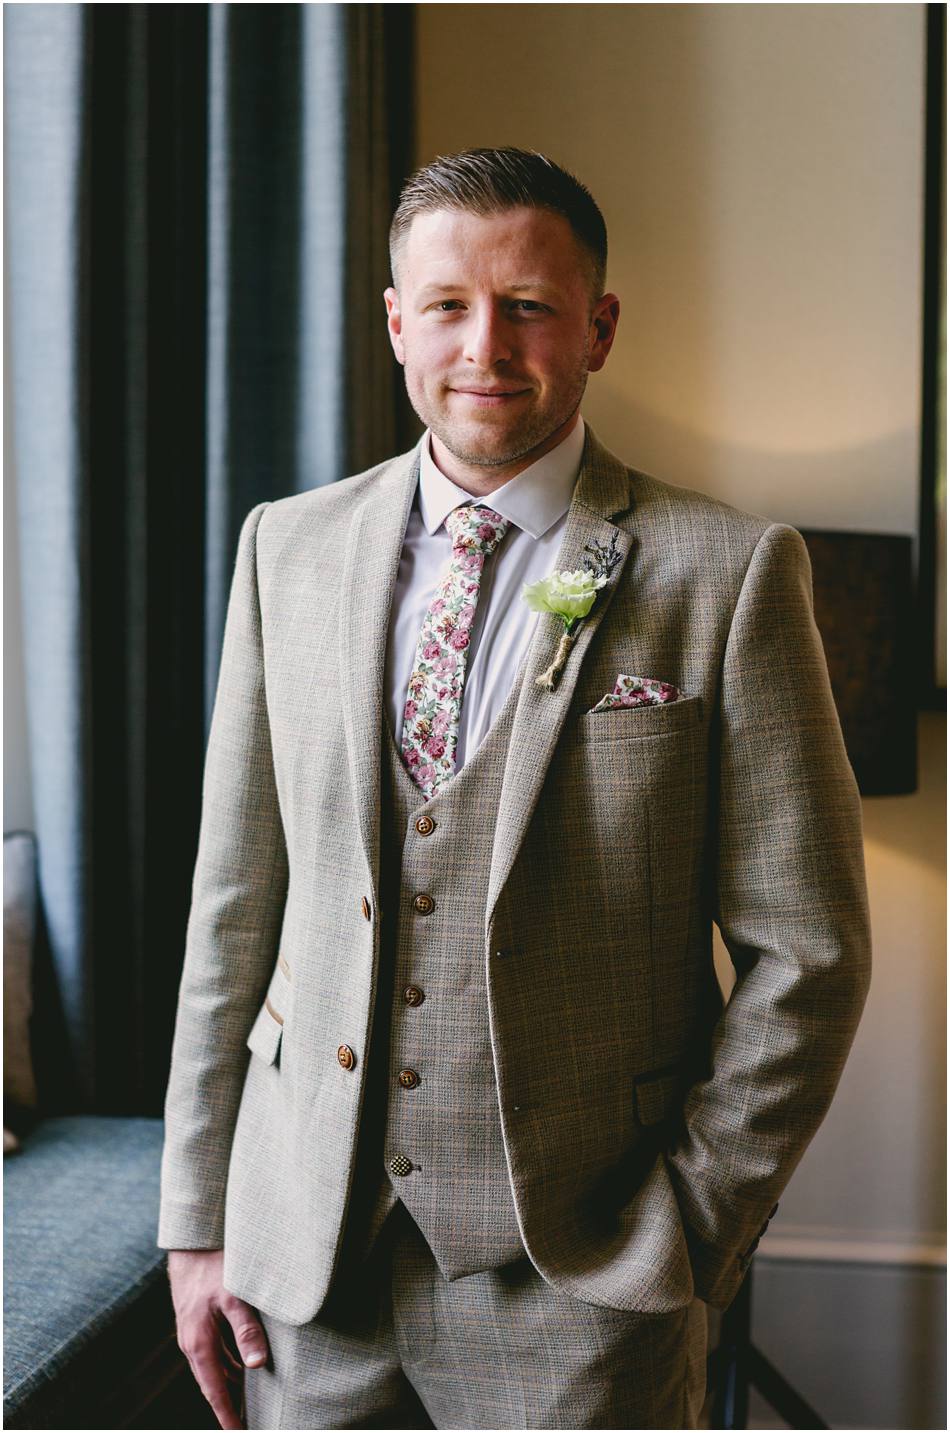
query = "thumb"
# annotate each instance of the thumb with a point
(248, 1331)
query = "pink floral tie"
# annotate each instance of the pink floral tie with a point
(430, 729)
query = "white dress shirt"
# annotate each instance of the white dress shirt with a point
(536, 503)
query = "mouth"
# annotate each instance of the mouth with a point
(489, 397)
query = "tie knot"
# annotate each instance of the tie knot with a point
(476, 528)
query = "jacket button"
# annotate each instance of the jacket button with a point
(346, 1057)
(425, 825)
(408, 1079)
(413, 995)
(365, 905)
(399, 1164)
(424, 903)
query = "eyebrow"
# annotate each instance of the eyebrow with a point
(533, 285)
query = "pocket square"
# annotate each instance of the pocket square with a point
(638, 692)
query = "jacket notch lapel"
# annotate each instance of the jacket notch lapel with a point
(370, 568)
(602, 490)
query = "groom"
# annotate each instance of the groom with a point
(459, 1130)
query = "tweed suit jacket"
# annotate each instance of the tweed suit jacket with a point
(648, 1128)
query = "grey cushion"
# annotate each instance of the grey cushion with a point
(80, 1214)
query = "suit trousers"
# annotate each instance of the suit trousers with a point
(397, 1346)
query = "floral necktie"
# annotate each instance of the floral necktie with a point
(430, 729)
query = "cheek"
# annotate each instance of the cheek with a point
(562, 363)
(550, 354)
(429, 357)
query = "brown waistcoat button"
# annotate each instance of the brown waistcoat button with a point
(408, 1079)
(346, 1057)
(413, 995)
(365, 905)
(399, 1164)
(424, 903)
(425, 825)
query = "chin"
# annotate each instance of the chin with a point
(485, 449)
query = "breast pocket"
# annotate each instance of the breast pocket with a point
(632, 723)
(626, 812)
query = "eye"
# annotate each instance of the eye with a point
(447, 305)
(529, 306)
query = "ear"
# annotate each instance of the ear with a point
(394, 324)
(603, 328)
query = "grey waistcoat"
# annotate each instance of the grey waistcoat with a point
(448, 1124)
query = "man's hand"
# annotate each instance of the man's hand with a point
(206, 1313)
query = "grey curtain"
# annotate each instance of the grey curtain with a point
(196, 214)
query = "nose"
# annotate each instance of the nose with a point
(487, 337)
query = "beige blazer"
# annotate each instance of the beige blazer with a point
(621, 837)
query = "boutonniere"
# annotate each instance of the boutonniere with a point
(570, 596)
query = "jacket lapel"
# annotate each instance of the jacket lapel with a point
(369, 571)
(601, 491)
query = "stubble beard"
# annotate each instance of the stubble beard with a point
(535, 428)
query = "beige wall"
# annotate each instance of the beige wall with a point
(760, 169)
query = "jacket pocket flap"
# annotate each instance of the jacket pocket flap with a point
(264, 1039)
(657, 1094)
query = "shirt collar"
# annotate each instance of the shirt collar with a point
(533, 500)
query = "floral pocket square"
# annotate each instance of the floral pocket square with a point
(638, 692)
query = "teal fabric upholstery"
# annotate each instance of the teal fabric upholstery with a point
(82, 1274)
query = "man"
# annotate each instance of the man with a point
(497, 1137)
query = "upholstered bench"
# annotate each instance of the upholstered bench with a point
(86, 1307)
(89, 1330)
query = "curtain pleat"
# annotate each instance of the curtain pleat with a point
(43, 96)
(197, 206)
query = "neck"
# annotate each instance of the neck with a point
(480, 481)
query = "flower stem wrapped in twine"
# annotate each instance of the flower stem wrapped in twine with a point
(570, 596)
(549, 678)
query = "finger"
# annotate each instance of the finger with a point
(247, 1330)
(233, 1372)
(233, 1361)
(214, 1385)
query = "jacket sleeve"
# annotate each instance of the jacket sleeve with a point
(791, 905)
(238, 893)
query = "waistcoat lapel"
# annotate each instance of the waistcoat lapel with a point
(369, 570)
(601, 491)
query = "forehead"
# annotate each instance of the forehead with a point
(450, 245)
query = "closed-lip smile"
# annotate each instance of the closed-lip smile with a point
(490, 393)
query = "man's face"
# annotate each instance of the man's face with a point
(494, 324)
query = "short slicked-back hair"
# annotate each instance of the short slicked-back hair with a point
(491, 181)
